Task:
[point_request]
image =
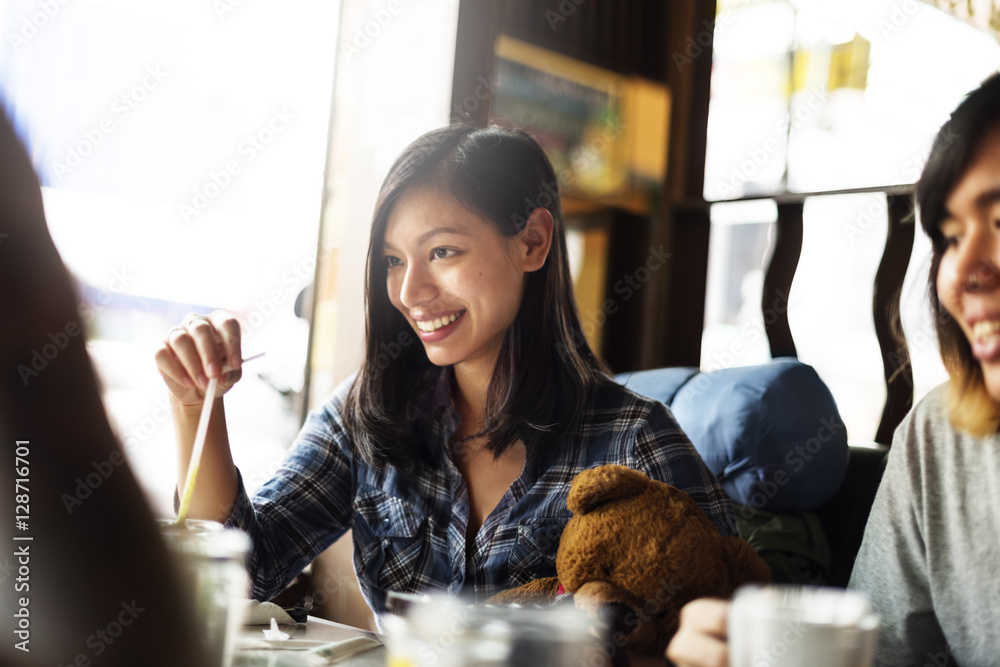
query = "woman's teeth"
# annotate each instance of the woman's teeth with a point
(985, 329)
(429, 326)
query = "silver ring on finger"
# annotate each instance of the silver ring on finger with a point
(192, 318)
(171, 332)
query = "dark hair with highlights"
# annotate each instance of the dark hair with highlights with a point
(545, 366)
(972, 409)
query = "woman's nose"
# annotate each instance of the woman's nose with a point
(418, 286)
(977, 266)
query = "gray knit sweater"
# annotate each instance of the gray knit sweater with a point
(930, 560)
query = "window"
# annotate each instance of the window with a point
(839, 96)
(181, 148)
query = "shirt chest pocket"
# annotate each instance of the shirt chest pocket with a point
(390, 539)
(534, 552)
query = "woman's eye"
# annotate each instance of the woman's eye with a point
(441, 253)
(391, 261)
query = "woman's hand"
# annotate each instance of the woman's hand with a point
(194, 352)
(198, 349)
(701, 639)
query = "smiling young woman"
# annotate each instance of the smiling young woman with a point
(455, 203)
(960, 211)
(928, 554)
(928, 558)
(452, 461)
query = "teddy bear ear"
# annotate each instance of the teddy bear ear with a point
(596, 486)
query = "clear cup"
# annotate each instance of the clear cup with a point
(441, 631)
(785, 625)
(212, 564)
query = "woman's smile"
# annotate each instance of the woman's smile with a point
(432, 330)
(985, 340)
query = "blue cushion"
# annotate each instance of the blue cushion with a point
(661, 384)
(772, 433)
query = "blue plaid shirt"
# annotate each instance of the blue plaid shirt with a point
(409, 527)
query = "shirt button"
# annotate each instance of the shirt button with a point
(385, 544)
(385, 522)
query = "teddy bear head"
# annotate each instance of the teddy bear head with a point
(637, 550)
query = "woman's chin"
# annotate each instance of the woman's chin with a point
(440, 357)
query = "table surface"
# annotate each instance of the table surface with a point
(315, 629)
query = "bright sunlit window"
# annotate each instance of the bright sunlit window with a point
(181, 148)
(840, 95)
(832, 81)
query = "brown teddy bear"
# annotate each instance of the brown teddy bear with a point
(635, 551)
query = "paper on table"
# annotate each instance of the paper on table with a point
(261, 613)
(314, 652)
(274, 634)
(342, 650)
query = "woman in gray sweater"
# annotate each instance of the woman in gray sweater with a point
(928, 559)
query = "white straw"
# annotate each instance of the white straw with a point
(199, 443)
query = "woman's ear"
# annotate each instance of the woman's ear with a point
(536, 238)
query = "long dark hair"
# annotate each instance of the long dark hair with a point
(971, 407)
(545, 366)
